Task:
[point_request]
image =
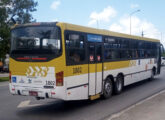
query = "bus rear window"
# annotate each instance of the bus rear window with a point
(36, 40)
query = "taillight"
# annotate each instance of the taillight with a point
(10, 77)
(59, 78)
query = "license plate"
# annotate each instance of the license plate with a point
(33, 93)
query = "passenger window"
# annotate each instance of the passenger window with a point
(111, 54)
(75, 48)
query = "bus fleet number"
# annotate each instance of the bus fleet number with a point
(77, 70)
(50, 83)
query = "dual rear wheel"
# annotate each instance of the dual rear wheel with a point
(116, 87)
(113, 87)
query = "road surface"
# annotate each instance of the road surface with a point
(27, 108)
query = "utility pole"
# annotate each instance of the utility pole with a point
(97, 23)
(142, 33)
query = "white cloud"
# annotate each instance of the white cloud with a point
(134, 6)
(55, 20)
(55, 5)
(116, 27)
(103, 16)
(138, 25)
(123, 24)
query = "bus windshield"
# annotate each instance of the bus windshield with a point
(36, 40)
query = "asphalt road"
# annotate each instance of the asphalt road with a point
(27, 108)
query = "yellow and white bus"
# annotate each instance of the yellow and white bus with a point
(71, 62)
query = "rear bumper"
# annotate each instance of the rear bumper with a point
(58, 92)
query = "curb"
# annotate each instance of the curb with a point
(115, 115)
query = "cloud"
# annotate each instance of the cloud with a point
(123, 24)
(55, 20)
(103, 16)
(134, 6)
(55, 5)
(138, 25)
(116, 27)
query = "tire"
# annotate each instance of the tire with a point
(119, 84)
(152, 75)
(108, 88)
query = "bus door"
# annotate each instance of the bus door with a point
(95, 68)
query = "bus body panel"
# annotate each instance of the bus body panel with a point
(133, 70)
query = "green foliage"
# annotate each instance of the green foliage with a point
(163, 54)
(20, 10)
(2, 79)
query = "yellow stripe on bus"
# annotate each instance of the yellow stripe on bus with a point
(22, 68)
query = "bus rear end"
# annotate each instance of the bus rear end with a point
(36, 61)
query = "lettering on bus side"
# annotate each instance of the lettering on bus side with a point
(77, 70)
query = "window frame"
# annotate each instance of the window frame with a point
(70, 62)
(131, 49)
(48, 56)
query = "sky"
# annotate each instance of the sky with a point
(146, 15)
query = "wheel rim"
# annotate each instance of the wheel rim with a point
(108, 88)
(119, 84)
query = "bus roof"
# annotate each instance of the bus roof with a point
(104, 32)
(34, 24)
(79, 28)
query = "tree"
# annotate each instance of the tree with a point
(21, 11)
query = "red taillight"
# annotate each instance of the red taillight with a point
(10, 77)
(23, 58)
(28, 58)
(59, 78)
(39, 58)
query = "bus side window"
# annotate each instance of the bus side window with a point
(75, 50)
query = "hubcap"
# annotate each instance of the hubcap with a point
(108, 88)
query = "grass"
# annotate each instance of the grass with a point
(2, 79)
(163, 55)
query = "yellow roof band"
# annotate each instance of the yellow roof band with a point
(79, 28)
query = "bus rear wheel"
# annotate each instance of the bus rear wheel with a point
(152, 74)
(108, 87)
(119, 84)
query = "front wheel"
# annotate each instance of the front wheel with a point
(108, 87)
